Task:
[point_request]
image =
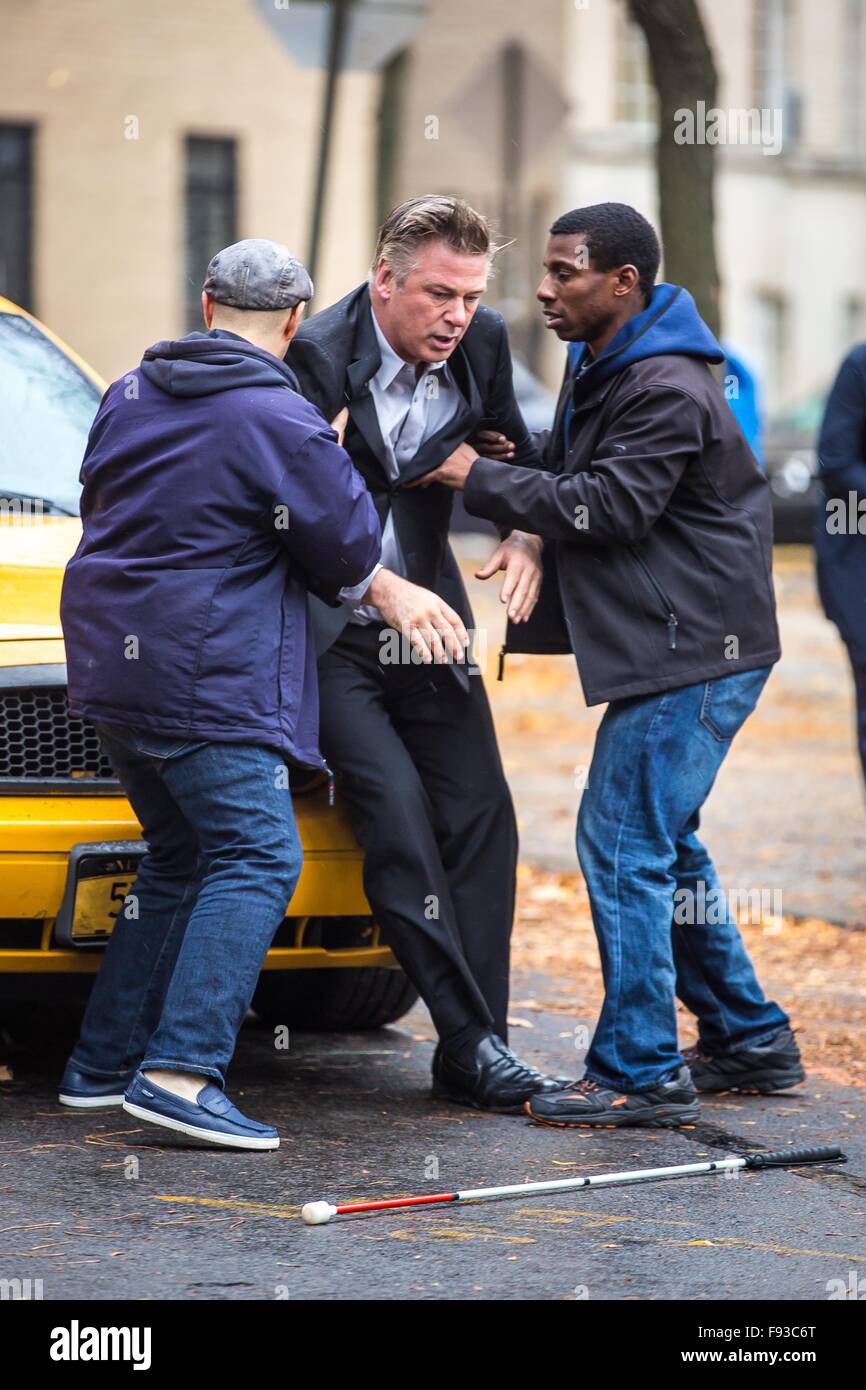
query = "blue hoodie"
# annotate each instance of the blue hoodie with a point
(670, 324)
(214, 497)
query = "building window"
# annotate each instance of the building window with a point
(769, 346)
(635, 100)
(16, 214)
(773, 65)
(211, 213)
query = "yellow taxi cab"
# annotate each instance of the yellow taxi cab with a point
(69, 841)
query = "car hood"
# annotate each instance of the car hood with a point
(33, 556)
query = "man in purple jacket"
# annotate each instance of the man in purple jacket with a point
(215, 498)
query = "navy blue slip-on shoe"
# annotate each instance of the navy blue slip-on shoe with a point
(83, 1092)
(211, 1116)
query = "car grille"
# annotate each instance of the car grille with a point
(40, 743)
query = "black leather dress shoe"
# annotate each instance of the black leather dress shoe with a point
(490, 1077)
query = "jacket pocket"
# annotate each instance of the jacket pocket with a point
(666, 608)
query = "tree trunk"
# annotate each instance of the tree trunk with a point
(684, 73)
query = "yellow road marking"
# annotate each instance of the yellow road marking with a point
(564, 1216)
(772, 1249)
(553, 1216)
(261, 1208)
(459, 1234)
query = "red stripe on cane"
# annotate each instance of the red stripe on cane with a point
(399, 1202)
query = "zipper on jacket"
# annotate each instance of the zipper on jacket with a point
(503, 650)
(672, 620)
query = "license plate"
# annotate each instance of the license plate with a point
(99, 896)
(97, 885)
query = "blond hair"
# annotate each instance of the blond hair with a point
(433, 217)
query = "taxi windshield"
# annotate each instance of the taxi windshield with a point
(47, 405)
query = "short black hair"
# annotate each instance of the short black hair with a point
(615, 235)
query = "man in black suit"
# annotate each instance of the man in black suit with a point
(419, 364)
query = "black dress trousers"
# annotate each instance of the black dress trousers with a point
(414, 751)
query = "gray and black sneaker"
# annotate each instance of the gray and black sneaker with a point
(772, 1066)
(673, 1102)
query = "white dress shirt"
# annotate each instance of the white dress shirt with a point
(410, 407)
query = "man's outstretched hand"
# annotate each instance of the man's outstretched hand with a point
(434, 630)
(520, 557)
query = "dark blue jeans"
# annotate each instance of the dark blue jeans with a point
(222, 862)
(655, 760)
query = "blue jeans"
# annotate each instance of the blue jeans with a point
(223, 858)
(655, 761)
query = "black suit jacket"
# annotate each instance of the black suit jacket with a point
(334, 355)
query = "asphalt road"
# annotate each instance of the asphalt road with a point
(97, 1206)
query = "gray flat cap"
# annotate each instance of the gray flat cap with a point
(257, 274)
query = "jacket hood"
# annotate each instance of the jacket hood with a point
(202, 364)
(670, 324)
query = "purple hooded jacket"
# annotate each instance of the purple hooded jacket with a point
(214, 497)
